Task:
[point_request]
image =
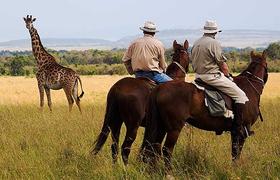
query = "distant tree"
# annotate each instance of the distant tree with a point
(16, 67)
(273, 50)
(168, 55)
(2, 69)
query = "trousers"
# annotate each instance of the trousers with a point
(224, 84)
(154, 75)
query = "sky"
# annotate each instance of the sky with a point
(114, 19)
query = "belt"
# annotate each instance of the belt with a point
(148, 72)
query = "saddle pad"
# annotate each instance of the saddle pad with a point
(215, 103)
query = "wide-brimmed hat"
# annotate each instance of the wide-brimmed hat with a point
(211, 27)
(149, 27)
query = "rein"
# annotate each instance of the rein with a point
(256, 77)
(258, 80)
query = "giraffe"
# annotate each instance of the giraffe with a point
(50, 74)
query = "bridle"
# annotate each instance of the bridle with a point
(178, 64)
(258, 80)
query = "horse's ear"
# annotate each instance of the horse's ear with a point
(174, 44)
(264, 54)
(252, 54)
(186, 44)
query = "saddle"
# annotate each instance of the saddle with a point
(152, 84)
(227, 99)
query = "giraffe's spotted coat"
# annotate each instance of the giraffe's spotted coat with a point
(50, 74)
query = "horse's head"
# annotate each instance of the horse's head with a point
(258, 66)
(181, 54)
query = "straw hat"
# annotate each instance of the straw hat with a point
(211, 27)
(149, 27)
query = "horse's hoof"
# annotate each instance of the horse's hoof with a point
(170, 177)
(251, 133)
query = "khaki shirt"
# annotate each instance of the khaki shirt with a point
(206, 54)
(146, 54)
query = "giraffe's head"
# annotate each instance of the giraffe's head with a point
(28, 21)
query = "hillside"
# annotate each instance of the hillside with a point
(229, 38)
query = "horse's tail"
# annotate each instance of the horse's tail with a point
(152, 122)
(81, 95)
(110, 113)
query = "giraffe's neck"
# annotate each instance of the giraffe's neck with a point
(41, 55)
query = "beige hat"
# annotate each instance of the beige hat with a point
(211, 27)
(149, 27)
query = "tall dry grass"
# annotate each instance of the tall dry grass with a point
(35, 145)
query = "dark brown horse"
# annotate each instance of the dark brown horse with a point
(175, 103)
(127, 101)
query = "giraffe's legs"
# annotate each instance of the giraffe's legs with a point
(76, 96)
(41, 92)
(48, 93)
(68, 93)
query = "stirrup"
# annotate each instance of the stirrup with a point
(248, 132)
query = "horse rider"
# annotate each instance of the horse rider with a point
(210, 66)
(145, 56)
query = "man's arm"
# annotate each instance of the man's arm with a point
(127, 60)
(220, 59)
(162, 63)
(224, 68)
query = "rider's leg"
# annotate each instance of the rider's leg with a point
(230, 88)
(161, 77)
(225, 85)
(237, 129)
(147, 74)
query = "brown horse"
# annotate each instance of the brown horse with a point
(175, 103)
(127, 100)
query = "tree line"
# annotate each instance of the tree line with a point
(101, 62)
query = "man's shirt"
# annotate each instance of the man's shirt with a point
(146, 54)
(206, 55)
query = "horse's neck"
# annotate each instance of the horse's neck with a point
(249, 85)
(176, 71)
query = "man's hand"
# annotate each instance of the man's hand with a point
(128, 67)
(230, 77)
(224, 68)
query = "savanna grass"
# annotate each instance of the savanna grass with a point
(45, 145)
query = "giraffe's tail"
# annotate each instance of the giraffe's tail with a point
(81, 95)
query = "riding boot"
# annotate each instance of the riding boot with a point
(237, 130)
(237, 125)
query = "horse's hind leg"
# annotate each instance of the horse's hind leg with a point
(129, 139)
(157, 147)
(168, 147)
(115, 133)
